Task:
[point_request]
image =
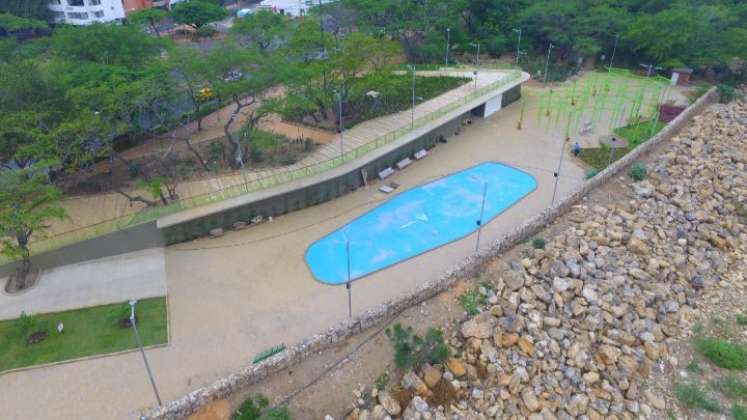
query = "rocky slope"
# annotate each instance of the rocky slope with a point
(574, 330)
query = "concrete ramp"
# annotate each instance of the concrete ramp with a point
(135, 275)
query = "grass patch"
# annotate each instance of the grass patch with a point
(636, 134)
(741, 320)
(255, 408)
(473, 301)
(731, 386)
(739, 412)
(694, 367)
(88, 332)
(722, 353)
(539, 243)
(598, 157)
(412, 351)
(693, 397)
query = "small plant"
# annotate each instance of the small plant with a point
(742, 320)
(253, 408)
(731, 386)
(412, 351)
(26, 324)
(722, 353)
(382, 381)
(638, 172)
(726, 93)
(473, 301)
(739, 412)
(591, 173)
(692, 396)
(694, 367)
(539, 243)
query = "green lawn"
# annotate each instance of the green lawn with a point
(641, 134)
(597, 158)
(88, 332)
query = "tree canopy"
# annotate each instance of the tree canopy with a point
(198, 13)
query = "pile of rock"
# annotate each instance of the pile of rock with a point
(575, 328)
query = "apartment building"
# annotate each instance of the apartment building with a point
(86, 12)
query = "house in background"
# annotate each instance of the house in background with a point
(86, 12)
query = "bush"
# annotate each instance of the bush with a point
(473, 301)
(722, 353)
(252, 409)
(742, 320)
(726, 93)
(538, 243)
(591, 173)
(739, 412)
(412, 351)
(26, 324)
(692, 396)
(638, 172)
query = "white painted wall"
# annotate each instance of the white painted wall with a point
(492, 106)
(86, 12)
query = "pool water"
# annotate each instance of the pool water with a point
(416, 221)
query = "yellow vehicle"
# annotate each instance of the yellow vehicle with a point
(205, 94)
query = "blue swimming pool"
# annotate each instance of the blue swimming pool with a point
(417, 221)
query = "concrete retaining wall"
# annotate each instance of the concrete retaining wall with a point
(250, 375)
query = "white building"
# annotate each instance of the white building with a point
(86, 12)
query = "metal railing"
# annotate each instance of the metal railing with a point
(249, 186)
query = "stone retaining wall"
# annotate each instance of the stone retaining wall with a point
(250, 375)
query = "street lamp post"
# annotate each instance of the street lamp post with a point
(412, 117)
(482, 213)
(614, 50)
(547, 62)
(142, 351)
(518, 44)
(349, 285)
(342, 127)
(557, 173)
(448, 44)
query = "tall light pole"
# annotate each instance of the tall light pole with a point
(321, 25)
(518, 44)
(482, 213)
(557, 173)
(614, 50)
(412, 116)
(448, 44)
(547, 62)
(477, 53)
(342, 126)
(650, 68)
(142, 351)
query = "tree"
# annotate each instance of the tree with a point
(33, 9)
(197, 13)
(12, 25)
(106, 44)
(27, 202)
(260, 29)
(149, 17)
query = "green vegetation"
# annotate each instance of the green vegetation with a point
(598, 157)
(591, 173)
(382, 381)
(412, 351)
(266, 354)
(731, 386)
(694, 367)
(694, 397)
(539, 243)
(721, 353)
(639, 133)
(726, 93)
(741, 320)
(473, 301)
(739, 412)
(87, 332)
(198, 13)
(638, 172)
(256, 408)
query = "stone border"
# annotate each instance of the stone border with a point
(253, 374)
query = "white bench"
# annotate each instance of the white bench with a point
(402, 164)
(386, 173)
(421, 154)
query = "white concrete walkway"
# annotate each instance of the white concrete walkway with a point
(136, 275)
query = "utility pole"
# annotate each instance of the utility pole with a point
(348, 285)
(557, 173)
(342, 127)
(448, 44)
(518, 45)
(614, 49)
(482, 213)
(142, 351)
(412, 117)
(547, 62)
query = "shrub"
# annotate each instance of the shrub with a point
(252, 409)
(722, 353)
(742, 320)
(412, 351)
(591, 173)
(382, 381)
(694, 367)
(538, 243)
(727, 93)
(638, 172)
(692, 396)
(739, 412)
(26, 324)
(731, 386)
(473, 301)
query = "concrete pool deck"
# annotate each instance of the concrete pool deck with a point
(235, 296)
